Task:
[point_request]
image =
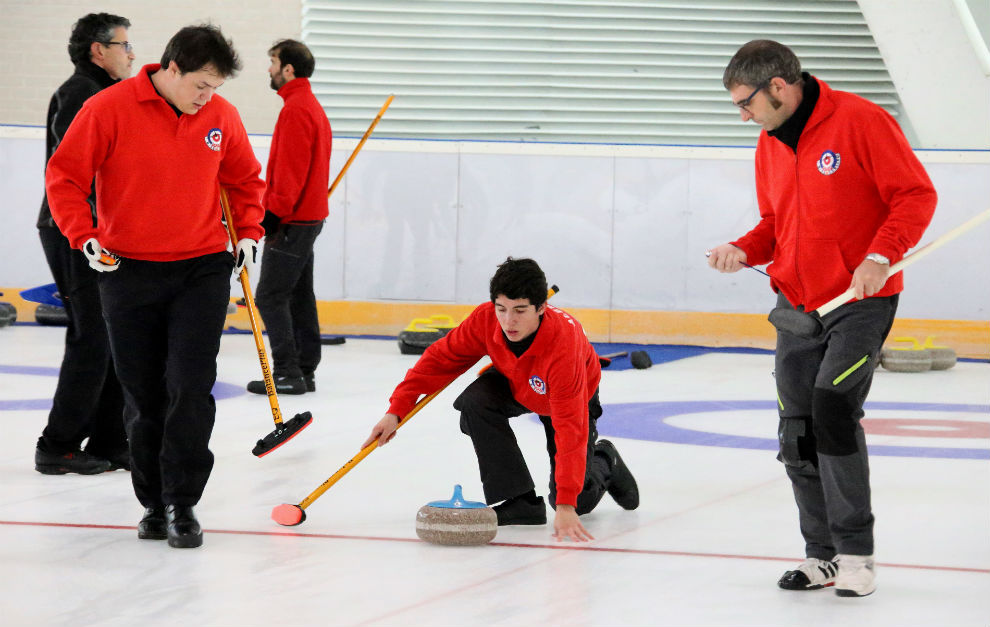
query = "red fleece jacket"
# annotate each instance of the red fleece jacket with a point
(298, 172)
(854, 187)
(556, 377)
(157, 175)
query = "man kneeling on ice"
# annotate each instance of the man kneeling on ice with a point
(542, 363)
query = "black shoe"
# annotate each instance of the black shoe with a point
(74, 461)
(283, 385)
(184, 531)
(622, 485)
(521, 511)
(152, 525)
(310, 379)
(121, 459)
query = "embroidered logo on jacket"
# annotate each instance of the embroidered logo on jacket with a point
(213, 139)
(828, 163)
(537, 384)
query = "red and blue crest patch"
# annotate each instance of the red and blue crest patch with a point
(213, 139)
(828, 163)
(538, 385)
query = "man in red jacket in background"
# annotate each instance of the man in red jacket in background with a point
(841, 195)
(296, 202)
(159, 146)
(542, 363)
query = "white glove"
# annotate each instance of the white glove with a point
(245, 254)
(100, 259)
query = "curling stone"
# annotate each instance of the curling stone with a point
(8, 314)
(906, 359)
(231, 308)
(414, 339)
(943, 357)
(51, 315)
(421, 332)
(910, 358)
(640, 360)
(456, 522)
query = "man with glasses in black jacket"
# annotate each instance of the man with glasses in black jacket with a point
(88, 402)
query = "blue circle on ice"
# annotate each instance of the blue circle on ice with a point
(457, 501)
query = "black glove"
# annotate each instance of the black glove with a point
(270, 223)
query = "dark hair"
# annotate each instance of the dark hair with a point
(89, 28)
(195, 47)
(296, 54)
(759, 61)
(519, 278)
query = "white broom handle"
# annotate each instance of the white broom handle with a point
(968, 225)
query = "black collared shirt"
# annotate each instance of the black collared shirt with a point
(790, 131)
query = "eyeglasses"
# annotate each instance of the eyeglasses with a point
(128, 48)
(745, 102)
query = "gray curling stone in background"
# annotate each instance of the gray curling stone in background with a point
(8, 314)
(421, 332)
(943, 357)
(456, 522)
(906, 359)
(51, 315)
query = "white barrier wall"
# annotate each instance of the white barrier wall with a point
(618, 227)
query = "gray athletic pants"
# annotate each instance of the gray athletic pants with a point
(822, 384)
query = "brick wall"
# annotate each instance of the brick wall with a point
(34, 60)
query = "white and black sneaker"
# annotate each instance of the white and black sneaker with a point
(812, 574)
(857, 575)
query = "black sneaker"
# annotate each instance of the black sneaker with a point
(521, 511)
(74, 461)
(622, 485)
(283, 385)
(310, 379)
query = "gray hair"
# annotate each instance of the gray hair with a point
(97, 27)
(759, 61)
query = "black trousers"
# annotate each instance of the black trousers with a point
(286, 299)
(822, 384)
(165, 320)
(486, 406)
(88, 401)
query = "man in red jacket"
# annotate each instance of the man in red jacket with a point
(841, 196)
(296, 202)
(542, 363)
(159, 146)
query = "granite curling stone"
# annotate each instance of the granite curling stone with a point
(8, 314)
(943, 357)
(906, 359)
(415, 338)
(51, 315)
(456, 522)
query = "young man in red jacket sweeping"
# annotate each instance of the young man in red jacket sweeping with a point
(295, 200)
(159, 145)
(841, 196)
(542, 363)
